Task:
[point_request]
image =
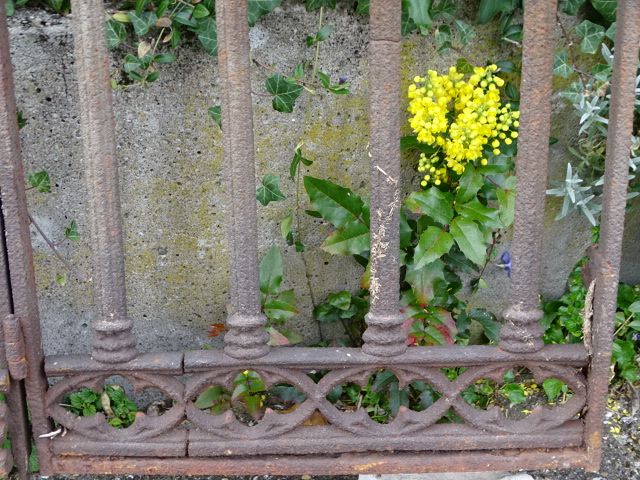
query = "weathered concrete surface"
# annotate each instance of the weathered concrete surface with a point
(171, 178)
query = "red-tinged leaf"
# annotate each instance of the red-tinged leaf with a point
(447, 322)
(445, 333)
(277, 339)
(216, 329)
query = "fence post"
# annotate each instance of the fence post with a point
(114, 341)
(522, 331)
(246, 337)
(607, 256)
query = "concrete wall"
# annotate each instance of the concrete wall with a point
(171, 179)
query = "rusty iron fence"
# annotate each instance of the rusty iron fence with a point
(186, 440)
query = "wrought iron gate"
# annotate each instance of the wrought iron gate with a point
(185, 440)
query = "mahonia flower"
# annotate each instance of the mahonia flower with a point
(462, 118)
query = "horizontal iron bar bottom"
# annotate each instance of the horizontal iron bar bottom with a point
(344, 464)
(317, 357)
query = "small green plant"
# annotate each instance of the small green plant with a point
(119, 409)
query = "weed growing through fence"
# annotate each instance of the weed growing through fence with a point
(113, 402)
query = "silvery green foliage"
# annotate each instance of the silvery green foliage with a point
(590, 95)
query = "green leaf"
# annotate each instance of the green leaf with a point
(514, 392)
(362, 8)
(485, 216)
(259, 8)
(553, 388)
(316, 4)
(142, 22)
(352, 239)
(419, 12)
(9, 8)
(611, 32)
(470, 182)
(215, 112)
(443, 38)
(320, 36)
(561, 67)
(71, 232)
(40, 181)
(207, 32)
(592, 36)
(200, 11)
(269, 191)
(469, 238)
(507, 202)
(337, 205)
(185, 17)
(606, 8)
(279, 311)
(490, 8)
(61, 279)
(210, 397)
(271, 271)
(295, 162)
(488, 322)
(423, 280)
(434, 242)
(286, 227)
(571, 7)
(116, 33)
(285, 92)
(433, 202)
(340, 300)
(466, 31)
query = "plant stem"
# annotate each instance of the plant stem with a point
(79, 275)
(315, 60)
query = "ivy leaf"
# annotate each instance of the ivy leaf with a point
(362, 8)
(116, 33)
(485, 216)
(340, 300)
(434, 242)
(279, 311)
(286, 228)
(470, 182)
(40, 181)
(320, 36)
(285, 92)
(592, 36)
(514, 392)
(353, 239)
(185, 17)
(488, 322)
(200, 11)
(207, 32)
(298, 158)
(553, 388)
(419, 12)
(611, 32)
(271, 271)
(269, 191)
(316, 4)
(443, 38)
(142, 22)
(215, 112)
(606, 8)
(336, 88)
(337, 205)
(433, 203)
(423, 280)
(561, 66)
(469, 238)
(490, 8)
(259, 8)
(466, 31)
(71, 232)
(571, 7)
(9, 8)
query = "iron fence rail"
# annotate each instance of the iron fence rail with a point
(186, 440)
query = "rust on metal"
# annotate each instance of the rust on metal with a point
(246, 337)
(522, 331)
(384, 335)
(14, 347)
(114, 341)
(18, 277)
(625, 67)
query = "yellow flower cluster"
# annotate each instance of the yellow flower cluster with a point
(462, 118)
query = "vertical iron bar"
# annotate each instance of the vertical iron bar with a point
(114, 341)
(21, 282)
(15, 397)
(384, 334)
(246, 337)
(522, 331)
(607, 257)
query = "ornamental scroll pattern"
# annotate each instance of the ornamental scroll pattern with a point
(357, 424)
